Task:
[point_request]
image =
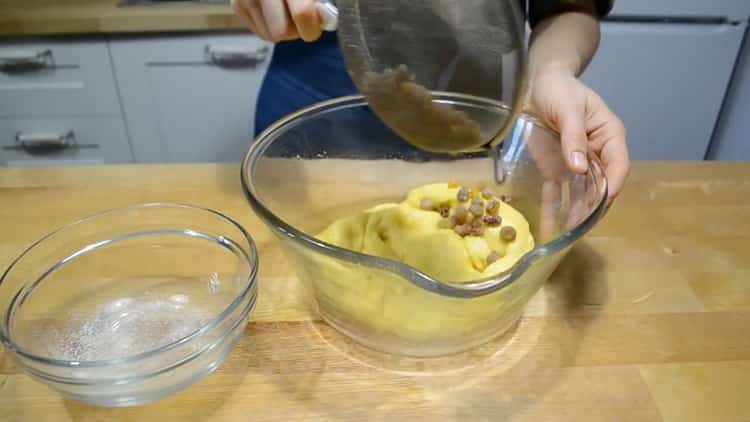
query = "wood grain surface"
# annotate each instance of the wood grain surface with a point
(648, 318)
(48, 17)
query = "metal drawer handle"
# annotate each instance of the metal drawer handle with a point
(47, 143)
(235, 56)
(21, 60)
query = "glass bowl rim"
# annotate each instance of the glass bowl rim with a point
(251, 256)
(471, 289)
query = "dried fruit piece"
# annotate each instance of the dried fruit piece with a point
(444, 210)
(492, 257)
(427, 204)
(486, 194)
(493, 220)
(460, 213)
(476, 209)
(508, 234)
(462, 195)
(477, 229)
(493, 206)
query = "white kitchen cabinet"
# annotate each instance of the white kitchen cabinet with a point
(56, 77)
(667, 81)
(59, 104)
(63, 141)
(731, 139)
(190, 98)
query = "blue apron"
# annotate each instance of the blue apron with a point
(301, 74)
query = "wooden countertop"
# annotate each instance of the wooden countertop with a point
(50, 17)
(648, 318)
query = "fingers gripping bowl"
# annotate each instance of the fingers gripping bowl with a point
(335, 158)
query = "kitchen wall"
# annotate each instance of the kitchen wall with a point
(731, 140)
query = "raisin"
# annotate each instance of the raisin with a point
(493, 220)
(493, 206)
(460, 213)
(476, 210)
(508, 234)
(462, 195)
(444, 210)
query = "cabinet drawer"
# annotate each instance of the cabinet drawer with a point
(63, 141)
(54, 78)
(234, 51)
(190, 98)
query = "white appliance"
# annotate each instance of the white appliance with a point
(663, 66)
(731, 139)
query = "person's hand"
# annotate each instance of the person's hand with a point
(280, 20)
(556, 213)
(584, 122)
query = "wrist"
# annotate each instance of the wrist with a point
(543, 80)
(567, 68)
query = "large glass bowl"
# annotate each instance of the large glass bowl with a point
(130, 305)
(336, 158)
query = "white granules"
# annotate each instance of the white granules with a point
(125, 327)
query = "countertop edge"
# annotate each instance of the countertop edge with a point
(85, 28)
(106, 20)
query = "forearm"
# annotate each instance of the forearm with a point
(567, 40)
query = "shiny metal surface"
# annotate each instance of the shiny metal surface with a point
(42, 143)
(236, 55)
(400, 51)
(26, 60)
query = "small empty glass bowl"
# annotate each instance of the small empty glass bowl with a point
(130, 305)
(336, 158)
